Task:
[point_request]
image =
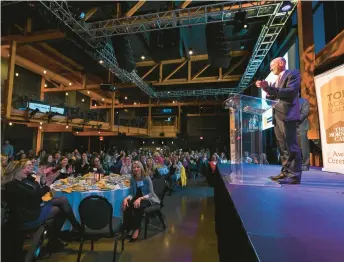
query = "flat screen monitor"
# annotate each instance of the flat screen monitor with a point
(46, 108)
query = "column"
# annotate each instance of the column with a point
(39, 140)
(149, 117)
(112, 112)
(179, 111)
(10, 79)
(307, 64)
(41, 97)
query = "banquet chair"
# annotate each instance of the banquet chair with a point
(97, 222)
(159, 186)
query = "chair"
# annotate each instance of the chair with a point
(159, 186)
(97, 221)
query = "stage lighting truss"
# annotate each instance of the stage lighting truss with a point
(201, 92)
(103, 50)
(218, 12)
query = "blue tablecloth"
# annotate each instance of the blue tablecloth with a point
(115, 197)
(163, 171)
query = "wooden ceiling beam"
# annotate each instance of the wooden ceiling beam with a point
(149, 71)
(200, 72)
(90, 13)
(185, 4)
(192, 58)
(134, 9)
(41, 36)
(234, 67)
(174, 71)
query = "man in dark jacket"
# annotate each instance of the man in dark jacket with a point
(286, 118)
(302, 130)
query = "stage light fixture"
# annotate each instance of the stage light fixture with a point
(101, 62)
(190, 51)
(286, 6)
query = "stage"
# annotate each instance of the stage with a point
(280, 223)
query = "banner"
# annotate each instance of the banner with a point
(330, 95)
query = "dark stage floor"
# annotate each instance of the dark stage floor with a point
(293, 222)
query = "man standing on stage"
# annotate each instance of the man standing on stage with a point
(302, 130)
(286, 118)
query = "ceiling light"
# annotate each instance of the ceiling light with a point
(77, 132)
(168, 92)
(40, 123)
(44, 72)
(152, 142)
(190, 51)
(82, 100)
(101, 62)
(98, 132)
(162, 142)
(245, 25)
(67, 126)
(173, 102)
(117, 112)
(126, 98)
(286, 6)
(82, 15)
(143, 57)
(242, 46)
(70, 83)
(102, 98)
(17, 74)
(134, 103)
(88, 92)
(10, 123)
(66, 93)
(45, 85)
(172, 142)
(40, 127)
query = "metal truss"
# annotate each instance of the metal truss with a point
(200, 92)
(265, 41)
(104, 51)
(213, 13)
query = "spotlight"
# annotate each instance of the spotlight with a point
(101, 61)
(190, 51)
(17, 74)
(44, 71)
(286, 6)
(70, 83)
(126, 98)
(82, 100)
(10, 123)
(143, 57)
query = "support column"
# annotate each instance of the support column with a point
(10, 79)
(41, 96)
(307, 64)
(149, 117)
(112, 112)
(179, 111)
(39, 140)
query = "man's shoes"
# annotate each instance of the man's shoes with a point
(289, 181)
(280, 176)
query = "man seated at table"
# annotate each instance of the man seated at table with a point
(141, 196)
(23, 193)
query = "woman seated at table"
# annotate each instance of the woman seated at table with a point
(141, 195)
(46, 170)
(126, 167)
(95, 164)
(24, 196)
(66, 170)
(151, 169)
(82, 166)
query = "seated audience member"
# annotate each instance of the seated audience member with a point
(65, 169)
(95, 164)
(4, 160)
(83, 166)
(213, 164)
(24, 193)
(141, 196)
(126, 167)
(151, 169)
(56, 159)
(46, 170)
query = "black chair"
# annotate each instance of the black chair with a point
(160, 186)
(97, 222)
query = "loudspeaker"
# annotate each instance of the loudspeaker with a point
(218, 45)
(166, 44)
(107, 87)
(124, 52)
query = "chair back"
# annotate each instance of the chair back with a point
(96, 213)
(159, 186)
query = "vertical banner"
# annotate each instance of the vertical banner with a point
(330, 95)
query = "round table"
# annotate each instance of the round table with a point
(115, 197)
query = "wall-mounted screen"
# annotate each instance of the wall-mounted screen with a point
(46, 108)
